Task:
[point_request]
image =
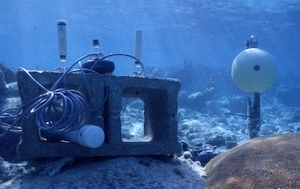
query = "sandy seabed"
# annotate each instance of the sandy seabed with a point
(121, 172)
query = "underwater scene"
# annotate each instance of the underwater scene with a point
(149, 94)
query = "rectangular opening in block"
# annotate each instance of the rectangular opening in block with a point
(133, 120)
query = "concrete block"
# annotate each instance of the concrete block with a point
(160, 115)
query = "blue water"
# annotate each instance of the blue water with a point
(208, 33)
(203, 31)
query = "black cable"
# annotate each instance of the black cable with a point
(68, 110)
(7, 118)
(57, 110)
(141, 73)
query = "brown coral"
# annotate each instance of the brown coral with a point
(263, 162)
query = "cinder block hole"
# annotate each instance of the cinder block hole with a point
(51, 138)
(133, 120)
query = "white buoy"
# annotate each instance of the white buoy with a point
(90, 136)
(138, 45)
(253, 70)
(62, 40)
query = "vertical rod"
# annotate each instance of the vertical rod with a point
(62, 40)
(138, 46)
(253, 113)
